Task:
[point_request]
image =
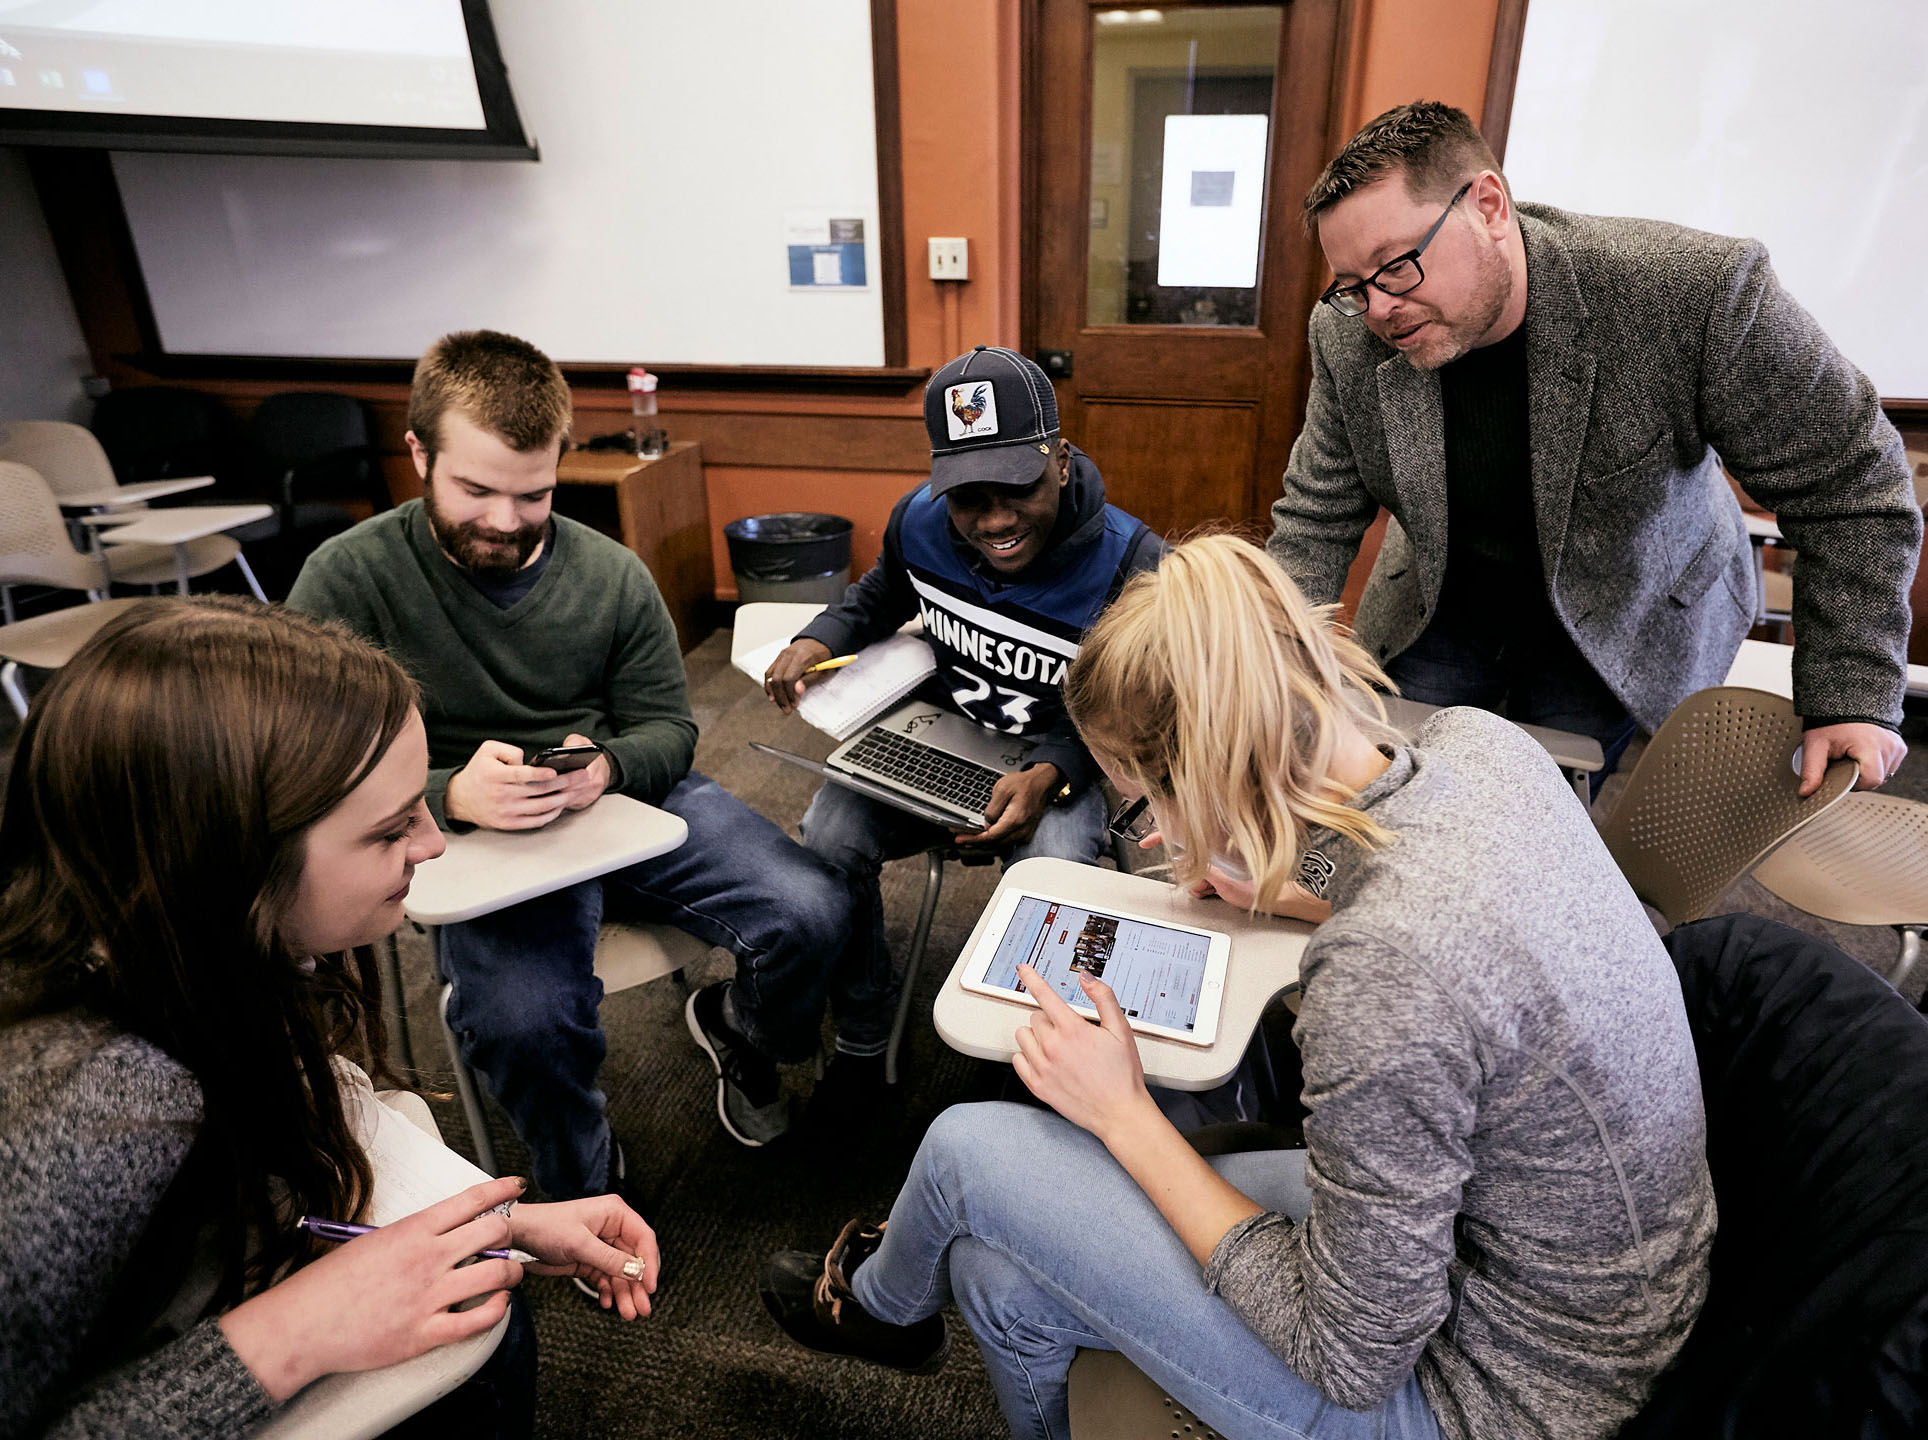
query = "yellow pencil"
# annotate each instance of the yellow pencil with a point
(837, 664)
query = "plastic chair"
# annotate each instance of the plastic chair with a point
(158, 432)
(34, 545)
(70, 462)
(47, 642)
(1865, 862)
(1112, 1399)
(626, 956)
(317, 443)
(1714, 793)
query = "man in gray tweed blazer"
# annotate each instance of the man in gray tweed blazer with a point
(1545, 401)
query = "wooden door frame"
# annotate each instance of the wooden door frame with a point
(1502, 73)
(1310, 123)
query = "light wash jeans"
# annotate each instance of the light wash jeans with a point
(1048, 1246)
(856, 835)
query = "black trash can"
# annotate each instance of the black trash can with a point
(796, 556)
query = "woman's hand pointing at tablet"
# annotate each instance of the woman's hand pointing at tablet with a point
(1089, 1073)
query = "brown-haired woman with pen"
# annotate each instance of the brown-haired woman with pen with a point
(213, 811)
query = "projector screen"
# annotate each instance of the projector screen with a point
(1803, 126)
(411, 77)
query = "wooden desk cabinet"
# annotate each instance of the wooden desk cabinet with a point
(663, 514)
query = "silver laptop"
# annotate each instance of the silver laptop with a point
(927, 761)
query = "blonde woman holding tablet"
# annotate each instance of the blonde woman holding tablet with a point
(1500, 1223)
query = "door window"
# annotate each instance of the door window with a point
(1181, 107)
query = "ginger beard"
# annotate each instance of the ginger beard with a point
(1445, 340)
(481, 551)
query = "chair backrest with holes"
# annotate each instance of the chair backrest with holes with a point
(1112, 1399)
(1715, 791)
(34, 545)
(67, 456)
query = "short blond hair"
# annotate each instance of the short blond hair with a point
(504, 385)
(1215, 687)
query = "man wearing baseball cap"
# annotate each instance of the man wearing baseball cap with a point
(1008, 552)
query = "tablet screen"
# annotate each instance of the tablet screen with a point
(1154, 971)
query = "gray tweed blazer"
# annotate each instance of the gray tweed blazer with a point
(1654, 354)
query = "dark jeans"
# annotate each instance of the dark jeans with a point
(856, 835)
(1532, 675)
(497, 1402)
(525, 990)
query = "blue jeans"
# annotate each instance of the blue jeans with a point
(1538, 677)
(525, 989)
(1049, 1247)
(856, 835)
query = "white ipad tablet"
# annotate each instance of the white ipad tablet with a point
(1170, 979)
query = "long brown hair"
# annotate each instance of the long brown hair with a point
(153, 841)
(1215, 687)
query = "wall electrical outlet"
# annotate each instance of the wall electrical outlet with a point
(950, 258)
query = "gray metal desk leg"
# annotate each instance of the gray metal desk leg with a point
(15, 687)
(933, 888)
(247, 574)
(401, 1050)
(465, 1085)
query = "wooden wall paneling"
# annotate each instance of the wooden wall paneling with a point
(1190, 365)
(1170, 463)
(890, 178)
(827, 442)
(1509, 31)
(865, 496)
(1315, 80)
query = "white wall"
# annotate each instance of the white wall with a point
(1802, 124)
(42, 353)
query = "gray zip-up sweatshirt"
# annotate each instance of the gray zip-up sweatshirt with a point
(1506, 1146)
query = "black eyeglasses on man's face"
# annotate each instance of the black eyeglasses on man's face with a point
(1397, 276)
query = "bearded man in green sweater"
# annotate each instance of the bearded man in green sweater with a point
(526, 630)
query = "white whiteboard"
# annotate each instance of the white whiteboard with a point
(1802, 124)
(675, 137)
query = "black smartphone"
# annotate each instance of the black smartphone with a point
(564, 758)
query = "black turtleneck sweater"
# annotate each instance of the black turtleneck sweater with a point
(1492, 544)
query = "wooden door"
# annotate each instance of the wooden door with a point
(1167, 268)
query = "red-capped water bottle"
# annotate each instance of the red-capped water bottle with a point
(642, 405)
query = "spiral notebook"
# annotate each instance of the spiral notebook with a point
(879, 678)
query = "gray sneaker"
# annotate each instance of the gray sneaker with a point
(749, 1100)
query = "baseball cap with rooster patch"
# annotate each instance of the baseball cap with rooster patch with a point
(992, 418)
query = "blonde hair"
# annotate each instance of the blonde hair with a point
(1214, 687)
(504, 385)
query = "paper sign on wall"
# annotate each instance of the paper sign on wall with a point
(826, 252)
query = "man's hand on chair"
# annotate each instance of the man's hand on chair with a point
(1878, 749)
(498, 792)
(1017, 803)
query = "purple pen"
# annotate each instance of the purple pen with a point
(339, 1230)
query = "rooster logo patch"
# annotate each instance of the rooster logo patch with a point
(972, 409)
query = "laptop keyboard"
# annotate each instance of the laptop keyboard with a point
(918, 767)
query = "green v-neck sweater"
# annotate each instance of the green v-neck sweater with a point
(589, 650)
